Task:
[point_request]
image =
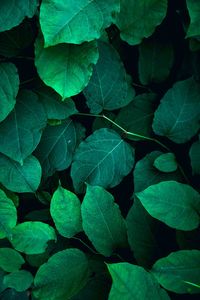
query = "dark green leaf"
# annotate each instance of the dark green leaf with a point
(11, 294)
(194, 13)
(10, 260)
(195, 157)
(166, 162)
(18, 280)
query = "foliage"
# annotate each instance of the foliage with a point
(100, 149)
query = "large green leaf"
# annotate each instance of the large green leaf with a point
(32, 237)
(55, 109)
(141, 228)
(66, 212)
(155, 61)
(145, 174)
(174, 203)
(66, 68)
(12, 12)
(101, 93)
(8, 215)
(20, 178)
(195, 157)
(166, 162)
(194, 13)
(57, 146)
(138, 19)
(172, 271)
(77, 21)
(63, 276)
(19, 280)
(10, 260)
(137, 117)
(102, 159)
(9, 87)
(178, 114)
(133, 282)
(20, 133)
(109, 232)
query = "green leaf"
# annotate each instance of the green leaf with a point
(20, 178)
(133, 282)
(65, 210)
(174, 203)
(11, 294)
(109, 232)
(10, 260)
(63, 276)
(195, 157)
(177, 267)
(155, 61)
(55, 109)
(32, 237)
(8, 215)
(101, 93)
(166, 162)
(57, 146)
(178, 114)
(145, 174)
(194, 13)
(66, 68)
(138, 19)
(20, 133)
(77, 21)
(137, 116)
(102, 159)
(141, 229)
(18, 280)
(9, 87)
(13, 12)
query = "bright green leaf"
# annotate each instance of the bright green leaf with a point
(101, 93)
(66, 68)
(155, 61)
(133, 282)
(77, 21)
(32, 237)
(138, 19)
(9, 86)
(102, 159)
(195, 157)
(174, 203)
(19, 280)
(10, 260)
(194, 13)
(178, 114)
(57, 146)
(102, 220)
(172, 271)
(20, 178)
(65, 210)
(20, 133)
(63, 276)
(166, 162)
(13, 12)
(8, 215)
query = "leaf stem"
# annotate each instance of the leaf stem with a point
(86, 245)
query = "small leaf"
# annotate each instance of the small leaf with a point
(101, 93)
(102, 159)
(195, 157)
(138, 19)
(178, 115)
(65, 210)
(166, 163)
(20, 178)
(76, 21)
(9, 86)
(109, 232)
(173, 270)
(19, 280)
(194, 13)
(8, 215)
(176, 204)
(66, 68)
(63, 276)
(133, 282)
(10, 260)
(32, 237)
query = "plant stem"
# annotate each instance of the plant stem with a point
(82, 242)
